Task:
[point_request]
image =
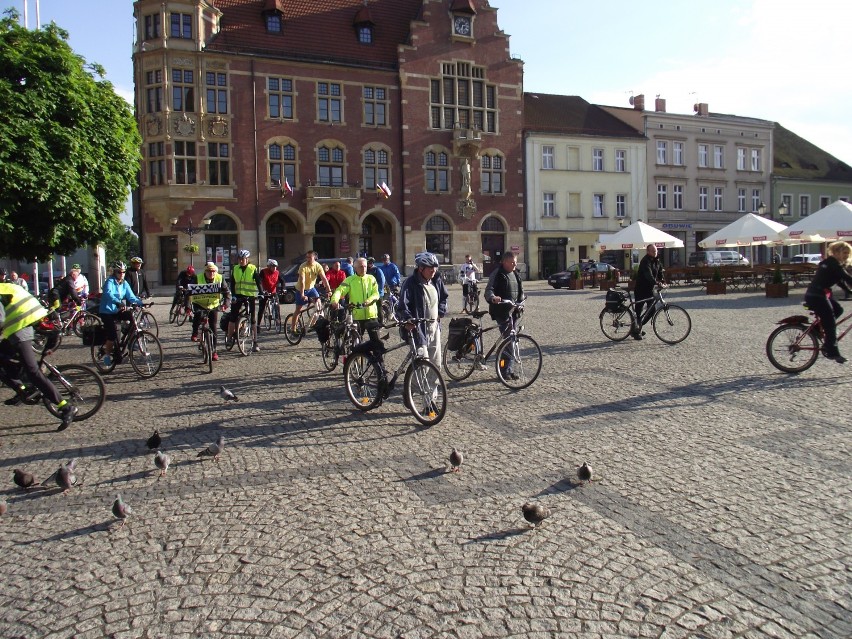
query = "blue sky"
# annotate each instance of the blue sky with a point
(781, 60)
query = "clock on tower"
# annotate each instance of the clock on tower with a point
(462, 26)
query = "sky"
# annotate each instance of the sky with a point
(781, 60)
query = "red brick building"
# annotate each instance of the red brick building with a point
(241, 102)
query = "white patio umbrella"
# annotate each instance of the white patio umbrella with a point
(834, 222)
(638, 235)
(749, 230)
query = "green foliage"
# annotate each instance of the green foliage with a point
(69, 145)
(717, 275)
(119, 244)
(777, 278)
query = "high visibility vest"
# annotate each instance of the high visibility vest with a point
(209, 292)
(244, 280)
(22, 309)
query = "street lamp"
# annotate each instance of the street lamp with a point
(761, 210)
(191, 230)
(783, 209)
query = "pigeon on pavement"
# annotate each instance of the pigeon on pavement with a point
(162, 461)
(23, 479)
(121, 510)
(65, 477)
(456, 460)
(584, 472)
(535, 513)
(227, 395)
(214, 450)
(154, 440)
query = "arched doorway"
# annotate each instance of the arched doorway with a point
(493, 243)
(326, 232)
(376, 237)
(220, 242)
(282, 238)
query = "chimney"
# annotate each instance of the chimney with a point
(660, 105)
(701, 109)
(638, 102)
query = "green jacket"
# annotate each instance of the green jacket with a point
(361, 290)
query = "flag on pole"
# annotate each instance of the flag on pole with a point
(286, 189)
(383, 189)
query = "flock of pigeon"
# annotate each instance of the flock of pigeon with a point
(65, 478)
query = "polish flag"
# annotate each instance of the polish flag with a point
(286, 189)
(383, 189)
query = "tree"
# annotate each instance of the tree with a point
(121, 244)
(69, 145)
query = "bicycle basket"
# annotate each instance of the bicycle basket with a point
(94, 335)
(323, 329)
(458, 332)
(616, 300)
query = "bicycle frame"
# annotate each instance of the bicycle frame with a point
(514, 316)
(651, 308)
(815, 327)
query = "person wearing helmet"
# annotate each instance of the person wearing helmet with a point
(504, 283)
(309, 272)
(73, 288)
(114, 297)
(245, 285)
(269, 287)
(184, 279)
(211, 292)
(136, 278)
(79, 281)
(391, 273)
(424, 297)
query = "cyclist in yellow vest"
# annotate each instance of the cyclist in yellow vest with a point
(245, 285)
(306, 293)
(216, 290)
(362, 289)
(22, 311)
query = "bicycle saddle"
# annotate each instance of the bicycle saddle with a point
(478, 314)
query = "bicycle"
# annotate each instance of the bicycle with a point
(145, 320)
(242, 338)
(344, 335)
(471, 298)
(671, 322)
(315, 308)
(389, 305)
(205, 339)
(78, 384)
(368, 385)
(271, 312)
(141, 347)
(518, 349)
(795, 345)
(179, 312)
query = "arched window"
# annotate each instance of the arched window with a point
(436, 169)
(439, 238)
(493, 225)
(278, 228)
(330, 166)
(282, 162)
(491, 172)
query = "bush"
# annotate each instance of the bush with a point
(777, 278)
(717, 275)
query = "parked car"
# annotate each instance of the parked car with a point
(287, 278)
(561, 279)
(716, 258)
(806, 258)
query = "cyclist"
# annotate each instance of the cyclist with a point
(245, 285)
(216, 290)
(347, 267)
(309, 273)
(20, 281)
(391, 273)
(335, 276)
(424, 296)
(376, 272)
(184, 278)
(20, 312)
(820, 299)
(362, 289)
(66, 290)
(269, 285)
(504, 284)
(79, 281)
(136, 278)
(468, 273)
(116, 293)
(649, 275)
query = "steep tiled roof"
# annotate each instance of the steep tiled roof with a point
(571, 114)
(633, 117)
(795, 157)
(317, 30)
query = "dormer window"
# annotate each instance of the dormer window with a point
(365, 34)
(364, 24)
(273, 23)
(273, 15)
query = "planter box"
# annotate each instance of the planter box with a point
(575, 284)
(715, 288)
(777, 290)
(607, 284)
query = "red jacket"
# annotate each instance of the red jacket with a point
(335, 277)
(269, 281)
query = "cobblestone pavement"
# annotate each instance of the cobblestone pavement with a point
(721, 506)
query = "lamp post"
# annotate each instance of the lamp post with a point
(782, 208)
(191, 230)
(761, 210)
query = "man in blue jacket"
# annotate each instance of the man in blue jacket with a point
(391, 272)
(115, 294)
(424, 297)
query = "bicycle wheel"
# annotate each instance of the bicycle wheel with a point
(471, 302)
(426, 392)
(81, 386)
(40, 339)
(362, 381)
(294, 337)
(244, 338)
(86, 321)
(329, 355)
(207, 349)
(672, 324)
(460, 364)
(277, 319)
(147, 322)
(616, 325)
(146, 354)
(98, 355)
(267, 316)
(518, 361)
(182, 316)
(791, 348)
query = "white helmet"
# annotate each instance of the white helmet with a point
(271, 262)
(244, 254)
(426, 259)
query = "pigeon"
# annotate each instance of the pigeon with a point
(162, 461)
(456, 460)
(65, 477)
(3, 507)
(227, 395)
(214, 450)
(121, 510)
(584, 472)
(23, 479)
(154, 440)
(535, 513)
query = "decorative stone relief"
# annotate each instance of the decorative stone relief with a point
(466, 208)
(153, 125)
(182, 62)
(217, 127)
(184, 125)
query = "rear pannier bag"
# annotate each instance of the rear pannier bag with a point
(616, 299)
(457, 334)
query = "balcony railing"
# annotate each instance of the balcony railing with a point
(334, 193)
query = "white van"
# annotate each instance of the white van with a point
(806, 258)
